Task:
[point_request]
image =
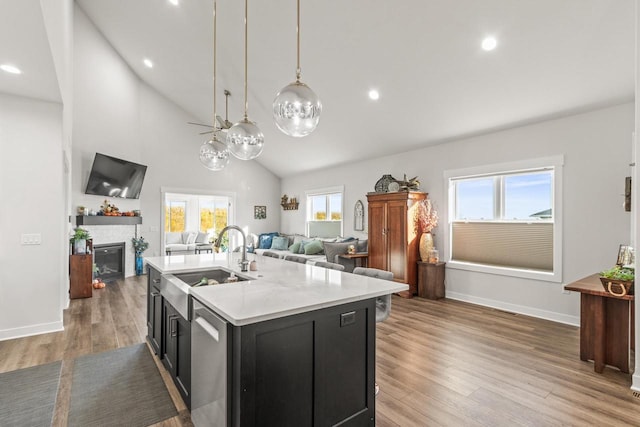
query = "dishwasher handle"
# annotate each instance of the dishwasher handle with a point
(208, 327)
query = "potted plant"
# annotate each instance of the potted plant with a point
(139, 246)
(618, 281)
(79, 240)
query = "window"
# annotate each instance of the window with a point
(206, 213)
(324, 212)
(175, 215)
(506, 221)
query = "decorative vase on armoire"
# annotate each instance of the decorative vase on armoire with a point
(426, 245)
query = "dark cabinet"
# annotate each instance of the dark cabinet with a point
(154, 310)
(80, 276)
(393, 240)
(176, 350)
(312, 369)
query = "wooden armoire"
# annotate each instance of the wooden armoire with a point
(393, 241)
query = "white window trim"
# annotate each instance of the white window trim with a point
(557, 162)
(320, 191)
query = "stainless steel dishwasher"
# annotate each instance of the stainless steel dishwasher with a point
(208, 367)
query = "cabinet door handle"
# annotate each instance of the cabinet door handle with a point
(155, 294)
(174, 331)
(156, 280)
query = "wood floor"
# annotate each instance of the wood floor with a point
(439, 363)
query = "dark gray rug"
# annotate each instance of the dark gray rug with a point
(28, 396)
(119, 388)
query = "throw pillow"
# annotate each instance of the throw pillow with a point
(363, 245)
(313, 247)
(302, 245)
(265, 239)
(191, 239)
(294, 248)
(332, 250)
(280, 243)
(298, 238)
(201, 237)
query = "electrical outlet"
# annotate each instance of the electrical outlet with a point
(31, 239)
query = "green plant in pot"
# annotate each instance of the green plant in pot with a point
(79, 240)
(618, 281)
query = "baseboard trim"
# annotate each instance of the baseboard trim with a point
(635, 382)
(515, 308)
(27, 331)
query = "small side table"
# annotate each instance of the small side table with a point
(431, 280)
(360, 258)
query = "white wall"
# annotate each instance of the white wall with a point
(596, 148)
(117, 114)
(31, 189)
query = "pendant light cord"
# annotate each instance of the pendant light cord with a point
(246, 25)
(298, 71)
(214, 68)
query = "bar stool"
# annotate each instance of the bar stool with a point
(383, 303)
(296, 258)
(271, 254)
(330, 265)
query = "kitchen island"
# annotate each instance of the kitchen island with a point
(292, 344)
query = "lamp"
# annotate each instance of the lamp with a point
(214, 153)
(297, 108)
(245, 140)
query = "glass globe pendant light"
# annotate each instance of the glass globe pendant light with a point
(297, 108)
(214, 154)
(244, 139)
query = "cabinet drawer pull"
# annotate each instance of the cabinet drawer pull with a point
(155, 294)
(174, 331)
(156, 280)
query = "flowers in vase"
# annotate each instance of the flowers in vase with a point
(426, 217)
(139, 245)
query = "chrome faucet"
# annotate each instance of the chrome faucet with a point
(244, 263)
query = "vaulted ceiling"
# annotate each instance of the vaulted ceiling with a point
(553, 58)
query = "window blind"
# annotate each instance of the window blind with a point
(504, 244)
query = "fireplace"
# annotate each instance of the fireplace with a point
(109, 260)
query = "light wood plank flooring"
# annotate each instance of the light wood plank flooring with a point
(439, 363)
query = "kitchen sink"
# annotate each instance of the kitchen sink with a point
(218, 274)
(175, 288)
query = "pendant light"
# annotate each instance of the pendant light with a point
(245, 140)
(214, 153)
(297, 108)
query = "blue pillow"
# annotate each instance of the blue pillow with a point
(264, 240)
(280, 243)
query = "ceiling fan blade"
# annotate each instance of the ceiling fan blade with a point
(200, 124)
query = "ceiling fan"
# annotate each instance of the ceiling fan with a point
(222, 124)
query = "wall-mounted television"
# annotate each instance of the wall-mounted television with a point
(114, 177)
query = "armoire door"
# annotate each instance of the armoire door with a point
(397, 239)
(377, 236)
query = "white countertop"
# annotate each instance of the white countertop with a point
(279, 288)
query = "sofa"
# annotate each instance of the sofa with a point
(185, 242)
(314, 249)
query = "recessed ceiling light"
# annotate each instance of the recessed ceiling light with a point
(10, 69)
(374, 94)
(148, 63)
(489, 43)
(174, 2)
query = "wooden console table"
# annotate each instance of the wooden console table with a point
(606, 324)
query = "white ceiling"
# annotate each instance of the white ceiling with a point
(554, 57)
